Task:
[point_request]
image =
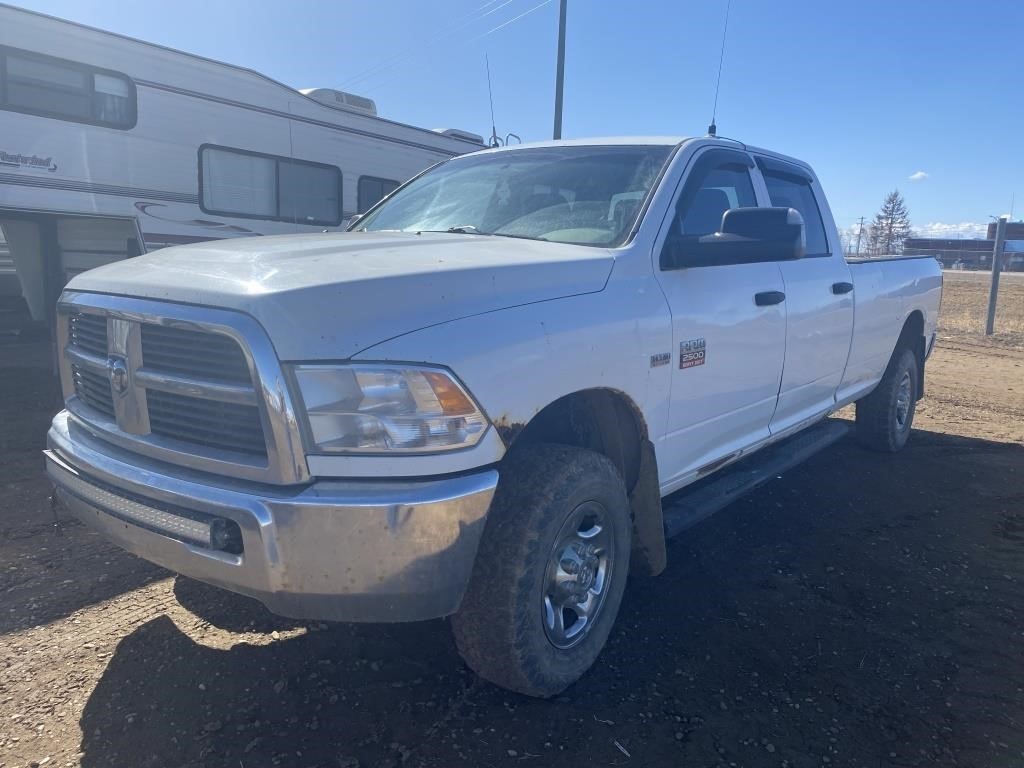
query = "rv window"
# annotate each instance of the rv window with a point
(237, 183)
(372, 190)
(310, 194)
(253, 185)
(42, 85)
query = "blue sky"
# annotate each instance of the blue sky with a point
(869, 92)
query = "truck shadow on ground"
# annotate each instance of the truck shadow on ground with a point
(862, 608)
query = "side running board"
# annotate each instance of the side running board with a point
(717, 491)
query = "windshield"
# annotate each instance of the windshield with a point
(590, 195)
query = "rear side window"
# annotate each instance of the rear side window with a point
(50, 87)
(788, 191)
(372, 190)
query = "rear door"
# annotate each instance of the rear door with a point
(728, 351)
(819, 301)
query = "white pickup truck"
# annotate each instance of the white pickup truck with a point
(474, 402)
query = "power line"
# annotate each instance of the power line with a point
(392, 76)
(388, 63)
(511, 21)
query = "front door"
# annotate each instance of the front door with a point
(729, 348)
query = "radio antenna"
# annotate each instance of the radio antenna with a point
(495, 141)
(713, 129)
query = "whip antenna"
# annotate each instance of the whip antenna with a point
(713, 129)
(495, 141)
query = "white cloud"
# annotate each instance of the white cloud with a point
(965, 230)
(918, 176)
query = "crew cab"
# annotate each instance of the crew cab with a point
(473, 403)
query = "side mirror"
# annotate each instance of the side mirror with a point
(746, 236)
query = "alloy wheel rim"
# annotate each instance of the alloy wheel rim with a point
(903, 401)
(578, 575)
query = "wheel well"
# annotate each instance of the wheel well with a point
(912, 338)
(608, 422)
(601, 420)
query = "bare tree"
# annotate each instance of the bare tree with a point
(890, 227)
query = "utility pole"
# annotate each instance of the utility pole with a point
(560, 74)
(997, 265)
(860, 231)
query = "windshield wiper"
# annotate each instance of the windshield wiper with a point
(518, 237)
(469, 229)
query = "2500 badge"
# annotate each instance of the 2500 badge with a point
(692, 353)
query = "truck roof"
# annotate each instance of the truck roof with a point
(645, 141)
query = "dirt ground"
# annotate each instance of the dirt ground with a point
(965, 302)
(862, 610)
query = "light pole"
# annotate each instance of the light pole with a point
(560, 74)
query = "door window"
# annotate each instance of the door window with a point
(722, 189)
(712, 189)
(788, 191)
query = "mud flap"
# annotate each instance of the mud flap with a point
(649, 556)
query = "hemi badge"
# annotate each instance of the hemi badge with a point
(662, 358)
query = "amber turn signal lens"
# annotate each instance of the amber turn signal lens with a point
(453, 400)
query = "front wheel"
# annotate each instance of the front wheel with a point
(550, 573)
(884, 417)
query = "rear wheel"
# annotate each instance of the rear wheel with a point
(885, 417)
(550, 572)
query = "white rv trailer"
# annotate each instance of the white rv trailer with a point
(111, 146)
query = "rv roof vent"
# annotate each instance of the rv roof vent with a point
(455, 133)
(341, 100)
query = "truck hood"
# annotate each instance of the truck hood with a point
(332, 295)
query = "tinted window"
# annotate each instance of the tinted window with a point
(586, 194)
(254, 185)
(372, 190)
(310, 194)
(50, 87)
(792, 192)
(700, 208)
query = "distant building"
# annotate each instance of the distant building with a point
(971, 254)
(1014, 230)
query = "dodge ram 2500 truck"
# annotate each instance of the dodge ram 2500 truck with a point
(473, 402)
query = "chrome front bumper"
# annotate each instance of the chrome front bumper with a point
(344, 551)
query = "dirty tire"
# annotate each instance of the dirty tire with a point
(882, 425)
(500, 628)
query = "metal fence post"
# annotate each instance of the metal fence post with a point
(997, 264)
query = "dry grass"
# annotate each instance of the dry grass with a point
(965, 304)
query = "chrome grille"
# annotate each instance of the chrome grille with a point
(182, 384)
(93, 389)
(199, 387)
(89, 332)
(213, 423)
(194, 353)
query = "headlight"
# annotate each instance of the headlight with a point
(380, 408)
